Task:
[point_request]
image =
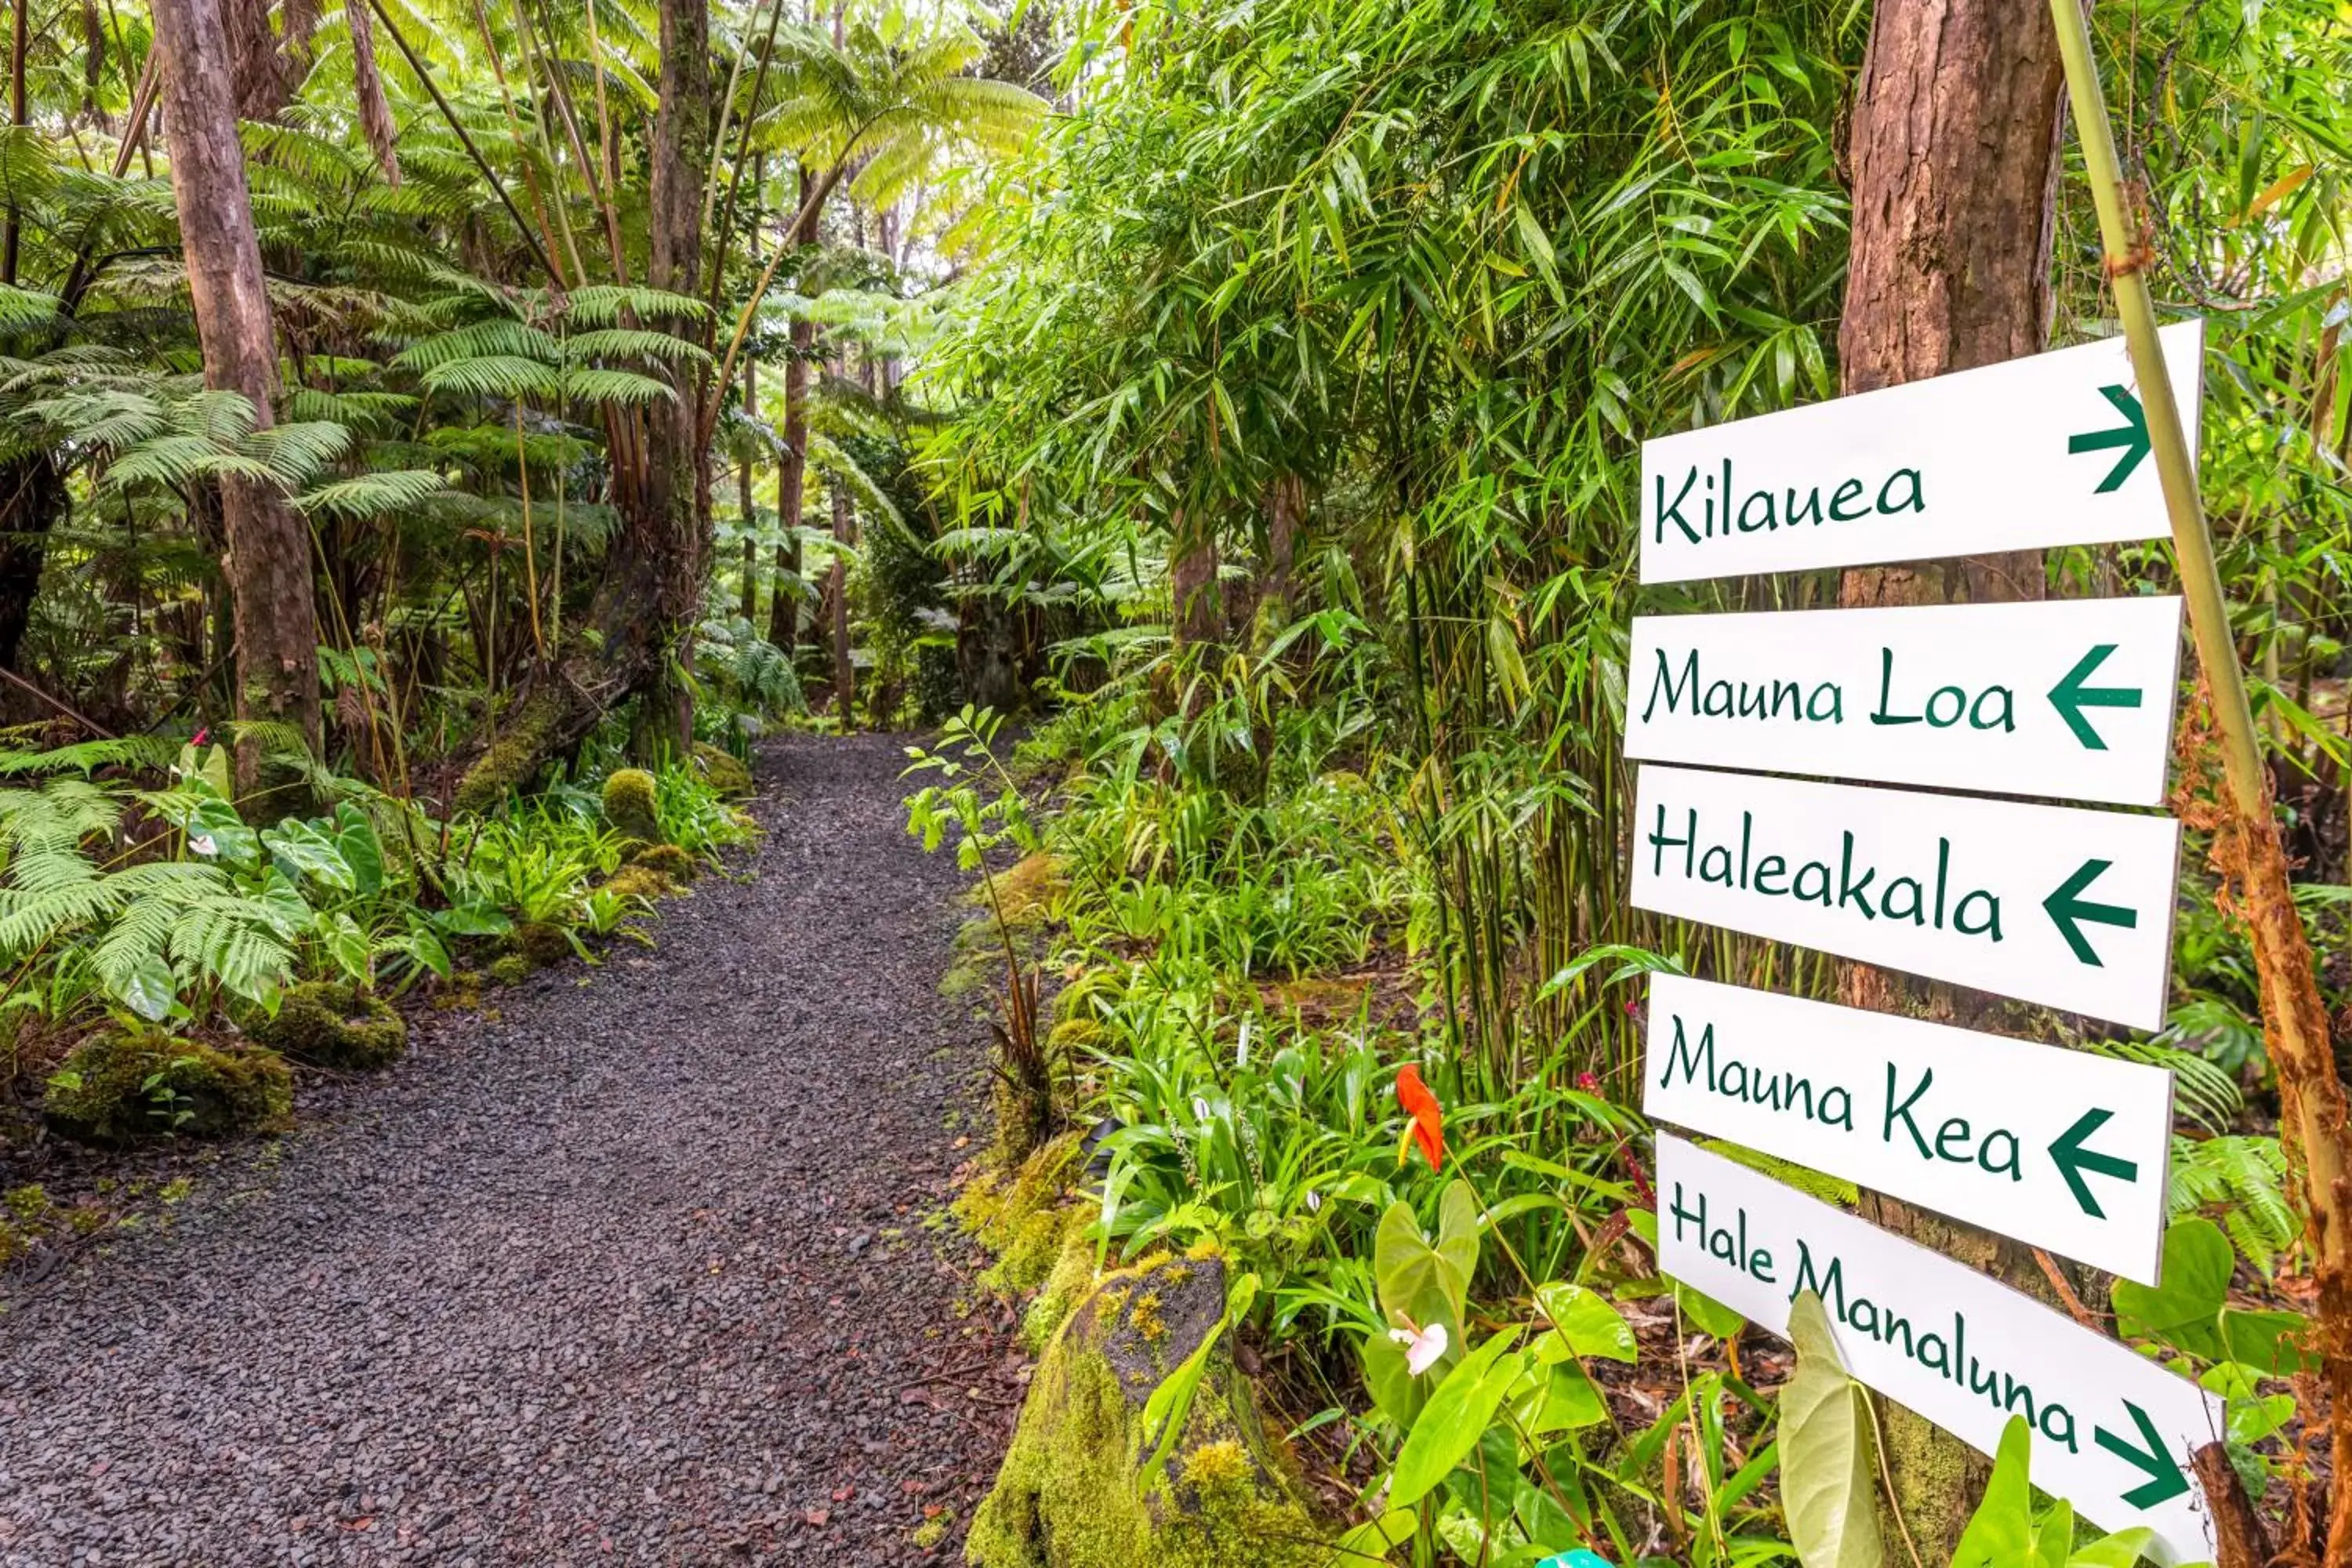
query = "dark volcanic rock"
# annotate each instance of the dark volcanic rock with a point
(634, 1272)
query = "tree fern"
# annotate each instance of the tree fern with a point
(2245, 1178)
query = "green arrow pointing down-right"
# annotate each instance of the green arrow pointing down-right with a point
(2149, 1457)
(2069, 910)
(2066, 1152)
(2071, 696)
(2131, 435)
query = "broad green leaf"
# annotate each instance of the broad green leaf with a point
(1377, 1537)
(1415, 1280)
(1583, 1323)
(2000, 1532)
(1566, 1402)
(1709, 1315)
(1454, 1420)
(2053, 1537)
(147, 989)
(1826, 1458)
(2180, 1312)
(2267, 1340)
(2124, 1549)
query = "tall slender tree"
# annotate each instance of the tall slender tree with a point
(268, 559)
(1955, 138)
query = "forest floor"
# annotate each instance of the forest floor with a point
(642, 1264)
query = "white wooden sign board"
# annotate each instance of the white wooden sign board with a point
(2114, 1433)
(1935, 1116)
(2050, 449)
(2067, 698)
(2053, 904)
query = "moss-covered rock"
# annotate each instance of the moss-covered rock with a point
(722, 770)
(635, 881)
(1037, 1233)
(141, 1083)
(542, 943)
(510, 968)
(1072, 1493)
(665, 860)
(629, 804)
(330, 1025)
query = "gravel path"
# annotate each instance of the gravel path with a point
(634, 1271)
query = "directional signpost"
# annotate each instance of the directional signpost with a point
(2067, 698)
(2113, 1433)
(2046, 451)
(2072, 909)
(1927, 1113)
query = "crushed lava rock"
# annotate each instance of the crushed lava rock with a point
(633, 1268)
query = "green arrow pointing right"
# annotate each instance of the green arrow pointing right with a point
(2131, 435)
(2066, 1152)
(2069, 910)
(2165, 1480)
(2071, 696)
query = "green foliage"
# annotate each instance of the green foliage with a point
(2005, 1532)
(1828, 1452)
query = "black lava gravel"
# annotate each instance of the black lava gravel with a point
(634, 1271)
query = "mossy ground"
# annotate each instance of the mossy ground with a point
(1072, 1493)
(330, 1024)
(726, 773)
(129, 1084)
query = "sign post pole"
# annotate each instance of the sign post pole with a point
(2294, 1020)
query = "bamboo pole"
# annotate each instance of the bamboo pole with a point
(2247, 846)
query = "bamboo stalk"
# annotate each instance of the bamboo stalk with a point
(2247, 846)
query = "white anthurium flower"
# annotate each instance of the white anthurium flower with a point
(1423, 1348)
(202, 844)
(1200, 1107)
(1313, 1202)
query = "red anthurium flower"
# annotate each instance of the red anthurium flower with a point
(1428, 1116)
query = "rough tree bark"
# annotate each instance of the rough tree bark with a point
(268, 557)
(1955, 141)
(792, 491)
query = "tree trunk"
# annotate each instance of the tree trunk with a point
(1197, 598)
(1954, 140)
(748, 601)
(32, 498)
(836, 594)
(651, 592)
(268, 564)
(792, 488)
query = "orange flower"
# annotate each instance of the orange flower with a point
(1428, 1116)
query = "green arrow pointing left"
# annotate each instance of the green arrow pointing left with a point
(2069, 911)
(2066, 1152)
(2131, 435)
(2071, 696)
(2153, 1460)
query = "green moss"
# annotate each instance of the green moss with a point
(541, 944)
(131, 1084)
(639, 881)
(629, 804)
(509, 969)
(333, 1025)
(525, 739)
(1071, 1493)
(932, 1530)
(725, 771)
(666, 860)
